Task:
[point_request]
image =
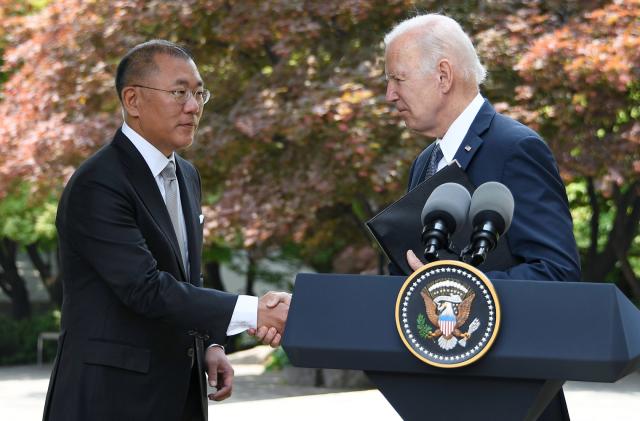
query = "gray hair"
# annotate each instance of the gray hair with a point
(442, 37)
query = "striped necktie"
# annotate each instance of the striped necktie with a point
(434, 159)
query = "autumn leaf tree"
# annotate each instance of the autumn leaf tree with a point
(574, 72)
(297, 147)
(24, 223)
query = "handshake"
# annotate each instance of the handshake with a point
(273, 308)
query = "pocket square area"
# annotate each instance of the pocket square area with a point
(201, 218)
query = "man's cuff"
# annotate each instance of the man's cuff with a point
(217, 346)
(245, 315)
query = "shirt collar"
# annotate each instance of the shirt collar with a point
(152, 156)
(452, 140)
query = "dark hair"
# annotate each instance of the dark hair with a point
(139, 61)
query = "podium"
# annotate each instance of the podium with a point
(550, 332)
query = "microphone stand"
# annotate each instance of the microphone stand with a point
(484, 239)
(432, 237)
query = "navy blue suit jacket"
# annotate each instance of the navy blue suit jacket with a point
(498, 148)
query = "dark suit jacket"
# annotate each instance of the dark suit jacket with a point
(131, 318)
(540, 239)
(497, 148)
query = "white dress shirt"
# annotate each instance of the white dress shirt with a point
(452, 140)
(245, 313)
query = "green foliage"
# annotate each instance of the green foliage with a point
(424, 328)
(276, 268)
(359, 211)
(26, 221)
(217, 253)
(582, 212)
(298, 145)
(277, 360)
(38, 4)
(3, 75)
(18, 338)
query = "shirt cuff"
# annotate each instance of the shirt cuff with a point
(217, 346)
(245, 315)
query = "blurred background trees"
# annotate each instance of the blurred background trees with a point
(571, 71)
(297, 147)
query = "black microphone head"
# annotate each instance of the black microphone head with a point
(448, 202)
(492, 199)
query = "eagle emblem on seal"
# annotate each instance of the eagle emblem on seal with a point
(448, 305)
(448, 314)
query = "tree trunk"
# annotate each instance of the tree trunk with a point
(251, 274)
(630, 278)
(52, 282)
(11, 282)
(213, 277)
(594, 223)
(620, 238)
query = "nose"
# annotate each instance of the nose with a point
(391, 95)
(192, 105)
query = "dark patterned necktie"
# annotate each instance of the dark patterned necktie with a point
(434, 159)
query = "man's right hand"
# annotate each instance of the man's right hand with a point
(273, 308)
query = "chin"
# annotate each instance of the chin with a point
(413, 127)
(417, 127)
(187, 145)
(183, 144)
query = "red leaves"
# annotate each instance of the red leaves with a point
(298, 129)
(579, 81)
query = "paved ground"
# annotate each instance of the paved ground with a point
(264, 396)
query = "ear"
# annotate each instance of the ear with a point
(131, 101)
(445, 75)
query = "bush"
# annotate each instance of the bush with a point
(277, 360)
(19, 338)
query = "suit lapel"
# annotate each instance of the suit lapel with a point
(473, 140)
(147, 188)
(189, 210)
(468, 149)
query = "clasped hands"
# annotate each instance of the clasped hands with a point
(273, 308)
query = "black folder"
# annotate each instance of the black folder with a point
(398, 227)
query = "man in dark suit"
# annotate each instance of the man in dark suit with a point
(138, 330)
(433, 75)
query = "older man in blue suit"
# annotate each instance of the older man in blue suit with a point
(434, 75)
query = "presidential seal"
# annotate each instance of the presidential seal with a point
(448, 314)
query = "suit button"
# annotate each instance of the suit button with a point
(190, 352)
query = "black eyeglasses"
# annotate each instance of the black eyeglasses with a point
(181, 96)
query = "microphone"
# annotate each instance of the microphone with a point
(445, 210)
(491, 213)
